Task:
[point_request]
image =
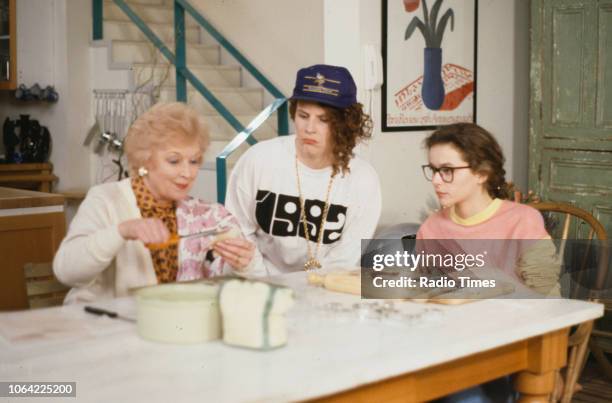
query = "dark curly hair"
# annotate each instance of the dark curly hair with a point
(479, 149)
(348, 126)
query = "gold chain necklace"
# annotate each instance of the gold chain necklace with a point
(312, 261)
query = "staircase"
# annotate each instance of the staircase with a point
(126, 59)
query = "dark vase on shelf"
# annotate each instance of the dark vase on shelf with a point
(11, 141)
(433, 86)
(24, 124)
(26, 140)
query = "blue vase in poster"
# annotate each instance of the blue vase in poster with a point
(433, 86)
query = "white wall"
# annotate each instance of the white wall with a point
(56, 54)
(502, 101)
(73, 161)
(521, 57)
(277, 36)
(36, 62)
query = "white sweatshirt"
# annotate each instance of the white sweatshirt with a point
(263, 195)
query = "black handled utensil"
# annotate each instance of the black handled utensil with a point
(103, 312)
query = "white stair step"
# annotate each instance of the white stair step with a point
(206, 182)
(148, 2)
(205, 186)
(210, 75)
(243, 101)
(216, 147)
(127, 30)
(146, 52)
(160, 14)
(221, 130)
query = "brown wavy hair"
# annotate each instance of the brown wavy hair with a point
(479, 149)
(348, 127)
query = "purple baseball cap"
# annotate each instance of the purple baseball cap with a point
(329, 85)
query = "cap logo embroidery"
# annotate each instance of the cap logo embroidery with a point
(320, 81)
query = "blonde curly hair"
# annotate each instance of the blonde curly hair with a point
(163, 123)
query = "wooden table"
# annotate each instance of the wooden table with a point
(337, 351)
(32, 225)
(535, 360)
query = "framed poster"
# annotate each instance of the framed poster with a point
(429, 63)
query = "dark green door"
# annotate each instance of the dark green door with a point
(570, 154)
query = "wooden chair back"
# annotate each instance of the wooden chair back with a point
(564, 222)
(583, 221)
(42, 288)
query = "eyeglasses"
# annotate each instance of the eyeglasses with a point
(446, 173)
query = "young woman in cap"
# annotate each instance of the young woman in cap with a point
(307, 200)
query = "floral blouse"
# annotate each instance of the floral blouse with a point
(192, 258)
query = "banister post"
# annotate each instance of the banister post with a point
(180, 52)
(98, 19)
(221, 179)
(283, 119)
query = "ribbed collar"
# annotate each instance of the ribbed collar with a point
(477, 218)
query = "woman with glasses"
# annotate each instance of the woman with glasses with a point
(466, 169)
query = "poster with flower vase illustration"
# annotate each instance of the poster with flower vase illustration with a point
(429, 57)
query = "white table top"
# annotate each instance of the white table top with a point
(332, 347)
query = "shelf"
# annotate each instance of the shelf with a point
(34, 176)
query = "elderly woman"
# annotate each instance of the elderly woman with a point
(121, 236)
(307, 200)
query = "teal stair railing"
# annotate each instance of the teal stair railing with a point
(240, 139)
(184, 75)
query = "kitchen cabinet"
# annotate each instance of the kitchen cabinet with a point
(32, 225)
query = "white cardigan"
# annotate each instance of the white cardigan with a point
(94, 258)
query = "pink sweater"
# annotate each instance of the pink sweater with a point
(498, 227)
(506, 220)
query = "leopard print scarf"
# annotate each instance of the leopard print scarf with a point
(165, 261)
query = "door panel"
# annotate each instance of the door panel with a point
(604, 78)
(571, 104)
(604, 214)
(570, 55)
(573, 173)
(568, 75)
